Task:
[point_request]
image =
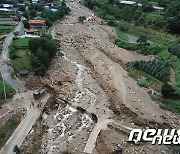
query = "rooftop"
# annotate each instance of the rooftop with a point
(127, 2)
(158, 8)
(36, 22)
(7, 5)
(5, 9)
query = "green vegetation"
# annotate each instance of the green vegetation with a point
(174, 49)
(5, 29)
(16, 149)
(127, 45)
(33, 54)
(157, 68)
(81, 19)
(142, 40)
(151, 29)
(20, 55)
(144, 79)
(21, 60)
(145, 15)
(168, 91)
(9, 90)
(49, 16)
(122, 35)
(7, 129)
(42, 49)
(21, 43)
(176, 151)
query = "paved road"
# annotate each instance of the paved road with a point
(5, 69)
(26, 124)
(101, 124)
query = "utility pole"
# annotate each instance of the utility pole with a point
(4, 89)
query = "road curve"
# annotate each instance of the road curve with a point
(5, 69)
(101, 124)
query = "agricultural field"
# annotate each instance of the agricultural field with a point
(21, 43)
(5, 29)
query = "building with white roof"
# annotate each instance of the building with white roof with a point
(139, 4)
(127, 2)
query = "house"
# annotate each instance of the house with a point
(35, 1)
(53, 10)
(156, 8)
(21, 4)
(49, 5)
(127, 2)
(5, 10)
(7, 6)
(160, 9)
(30, 31)
(37, 24)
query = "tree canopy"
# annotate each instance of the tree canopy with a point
(43, 50)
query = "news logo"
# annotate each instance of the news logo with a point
(154, 136)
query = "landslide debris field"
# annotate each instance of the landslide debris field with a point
(104, 103)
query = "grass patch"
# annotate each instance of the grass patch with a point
(22, 60)
(21, 43)
(9, 90)
(122, 35)
(7, 129)
(19, 54)
(171, 105)
(5, 29)
(154, 14)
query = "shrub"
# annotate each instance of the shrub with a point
(43, 50)
(157, 68)
(59, 82)
(111, 22)
(81, 19)
(127, 45)
(142, 40)
(174, 49)
(123, 28)
(167, 90)
(151, 50)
